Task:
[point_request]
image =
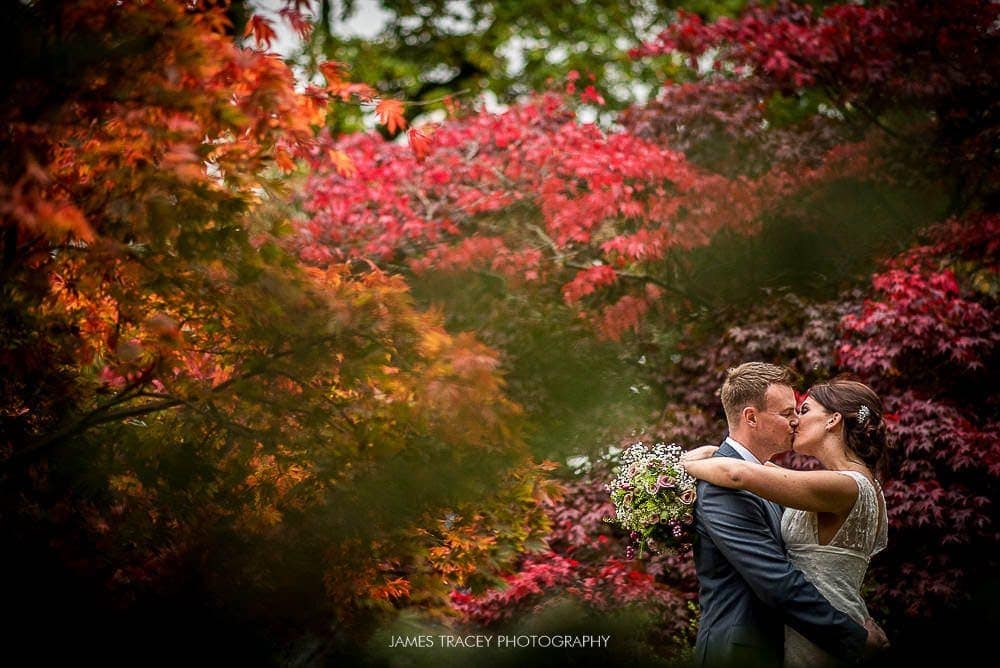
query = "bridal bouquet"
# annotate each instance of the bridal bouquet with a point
(653, 497)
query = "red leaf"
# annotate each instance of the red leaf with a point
(591, 95)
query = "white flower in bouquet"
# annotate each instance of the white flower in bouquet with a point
(653, 497)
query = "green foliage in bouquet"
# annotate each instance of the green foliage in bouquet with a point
(653, 497)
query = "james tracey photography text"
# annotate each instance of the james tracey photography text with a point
(502, 642)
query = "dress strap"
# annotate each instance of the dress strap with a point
(857, 475)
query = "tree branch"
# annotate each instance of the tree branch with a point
(102, 414)
(561, 258)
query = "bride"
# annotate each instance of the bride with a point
(835, 519)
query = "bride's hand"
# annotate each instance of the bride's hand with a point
(877, 640)
(704, 452)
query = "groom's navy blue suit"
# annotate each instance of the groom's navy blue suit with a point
(747, 588)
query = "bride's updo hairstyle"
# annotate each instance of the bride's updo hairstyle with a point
(864, 426)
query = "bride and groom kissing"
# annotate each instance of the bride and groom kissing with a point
(781, 554)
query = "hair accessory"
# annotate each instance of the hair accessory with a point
(863, 414)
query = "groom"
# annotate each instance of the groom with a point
(748, 590)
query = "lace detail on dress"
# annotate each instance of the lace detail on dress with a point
(838, 568)
(865, 530)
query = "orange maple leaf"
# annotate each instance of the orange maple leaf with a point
(333, 71)
(57, 219)
(395, 588)
(420, 144)
(364, 92)
(390, 114)
(343, 163)
(262, 31)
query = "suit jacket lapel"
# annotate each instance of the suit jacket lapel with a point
(774, 511)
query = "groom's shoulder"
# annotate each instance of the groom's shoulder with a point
(707, 486)
(727, 450)
(705, 489)
(730, 507)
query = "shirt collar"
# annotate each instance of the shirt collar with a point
(742, 450)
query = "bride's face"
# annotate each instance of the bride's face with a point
(813, 418)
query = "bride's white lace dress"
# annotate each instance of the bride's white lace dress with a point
(838, 568)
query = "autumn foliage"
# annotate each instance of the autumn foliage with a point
(239, 376)
(801, 111)
(532, 195)
(181, 400)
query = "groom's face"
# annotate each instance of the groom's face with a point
(778, 421)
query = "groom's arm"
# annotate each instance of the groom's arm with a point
(736, 523)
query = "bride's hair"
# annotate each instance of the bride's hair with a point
(864, 425)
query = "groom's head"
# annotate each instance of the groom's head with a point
(760, 407)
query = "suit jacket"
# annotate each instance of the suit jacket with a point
(747, 588)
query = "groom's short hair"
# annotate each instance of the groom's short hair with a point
(746, 384)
